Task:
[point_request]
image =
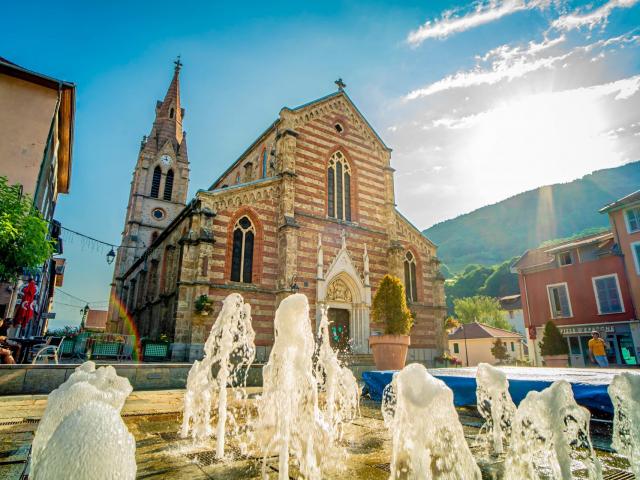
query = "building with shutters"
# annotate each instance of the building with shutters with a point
(308, 207)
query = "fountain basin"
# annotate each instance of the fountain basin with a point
(589, 385)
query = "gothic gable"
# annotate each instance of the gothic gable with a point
(337, 105)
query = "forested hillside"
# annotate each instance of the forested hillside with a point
(491, 234)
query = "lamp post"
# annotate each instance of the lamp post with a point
(466, 351)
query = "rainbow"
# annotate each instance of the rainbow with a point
(129, 326)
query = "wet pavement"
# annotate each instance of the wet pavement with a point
(154, 417)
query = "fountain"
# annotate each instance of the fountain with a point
(550, 431)
(88, 404)
(289, 419)
(427, 437)
(340, 387)
(495, 405)
(230, 348)
(624, 391)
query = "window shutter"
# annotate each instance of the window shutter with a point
(155, 182)
(168, 185)
(564, 301)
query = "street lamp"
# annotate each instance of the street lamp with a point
(111, 256)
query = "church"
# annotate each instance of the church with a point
(308, 207)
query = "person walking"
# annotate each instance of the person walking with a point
(598, 350)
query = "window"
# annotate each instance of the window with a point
(155, 182)
(158, 213)
(410, 287)
(264, 163)
(635, 250)
(456, 348)
(237, 177)
(168, 186)
(154, 236)
(339, 187)
(513, 347)
(248, 172)
(242, 254)
(565, 258)
(633, 219)
(607, 293)
(171, 113)
(338, 128)
(559, 300)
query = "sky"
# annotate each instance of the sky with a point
(479, 101)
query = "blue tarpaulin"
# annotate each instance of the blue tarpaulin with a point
(589, 389)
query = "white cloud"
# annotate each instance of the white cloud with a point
(600, 15)
(508, 63)
(485, 12)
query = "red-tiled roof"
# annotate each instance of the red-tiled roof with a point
(480, 330)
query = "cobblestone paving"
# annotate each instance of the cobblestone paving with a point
(154, 418)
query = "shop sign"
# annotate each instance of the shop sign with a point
(587, 329)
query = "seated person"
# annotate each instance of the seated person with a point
(7, 347)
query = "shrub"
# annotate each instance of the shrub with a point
(390, 307)
(553, 343)
(499, 351)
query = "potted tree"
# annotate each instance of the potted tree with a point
(203, 305)
(554, 347)
(390, 308)
(499, 351)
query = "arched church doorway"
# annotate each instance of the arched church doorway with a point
(339, 328)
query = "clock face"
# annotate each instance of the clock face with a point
(166, 159)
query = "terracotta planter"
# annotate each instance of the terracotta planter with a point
(560, 361)
(390, 351)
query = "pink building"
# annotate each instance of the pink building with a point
(582, 285)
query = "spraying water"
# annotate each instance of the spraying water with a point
(342, 395)
(551, 430)
(624, 391)
(289, 417)
(495, 405)
(104, 391)
(91, 443)
(230, 348)
(427, 437)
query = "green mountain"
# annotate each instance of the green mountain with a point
(491, 234)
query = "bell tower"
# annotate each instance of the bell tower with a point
(158, 189)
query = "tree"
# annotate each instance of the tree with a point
(23, 233)
(390, 307)
(501, 282)
(499, 351)
(553, 343)
(480, 309)
(466, 284)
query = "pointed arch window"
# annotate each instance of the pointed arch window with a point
(242, 256)
(168, 185)
(339, 187)
(171, 112)
(410, 283)
(264, 163)
(155, 182)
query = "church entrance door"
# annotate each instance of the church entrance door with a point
(339, 328)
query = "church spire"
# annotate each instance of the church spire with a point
(169, 113)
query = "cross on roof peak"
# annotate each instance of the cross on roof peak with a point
(178, 63)
(341, 85)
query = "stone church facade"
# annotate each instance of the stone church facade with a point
(308, 207)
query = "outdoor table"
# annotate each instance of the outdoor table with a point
(25, 345)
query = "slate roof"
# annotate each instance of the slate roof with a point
(627, 200)
(480, 330)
